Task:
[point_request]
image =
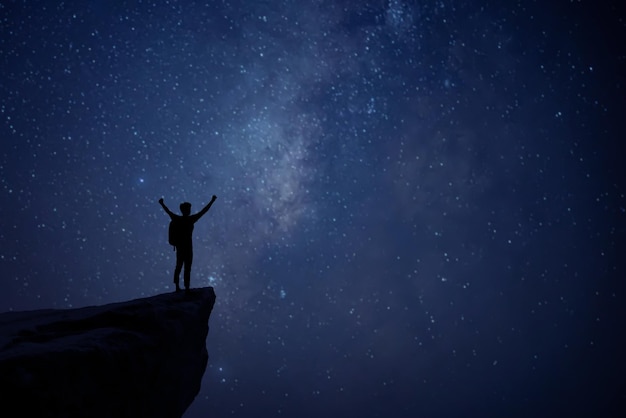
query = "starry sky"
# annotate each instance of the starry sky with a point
(421, 205)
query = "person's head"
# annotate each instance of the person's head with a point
(185, 208)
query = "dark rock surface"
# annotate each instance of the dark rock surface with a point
(141, 358)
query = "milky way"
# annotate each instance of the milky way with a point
(420, 208)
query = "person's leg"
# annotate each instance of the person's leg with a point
(188, 261)
(179, 265)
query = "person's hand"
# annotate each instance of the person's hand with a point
(213, 198)
(161, 200)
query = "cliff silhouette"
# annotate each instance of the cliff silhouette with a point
(141, 358)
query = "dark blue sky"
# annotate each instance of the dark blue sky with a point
(420, 204)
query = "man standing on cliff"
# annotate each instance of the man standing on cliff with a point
(180, 232)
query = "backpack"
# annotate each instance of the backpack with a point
(174, 233)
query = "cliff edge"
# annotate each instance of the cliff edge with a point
(141, 358)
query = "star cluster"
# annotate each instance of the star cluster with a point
(420, 204)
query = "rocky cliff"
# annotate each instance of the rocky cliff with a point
(142, 358)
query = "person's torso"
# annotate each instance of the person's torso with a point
(186, 230)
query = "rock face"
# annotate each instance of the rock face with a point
(142, 358)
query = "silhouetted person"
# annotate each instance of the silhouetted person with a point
(183, 243)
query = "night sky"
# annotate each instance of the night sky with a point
(421, 205)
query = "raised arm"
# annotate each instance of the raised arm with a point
(206, 208)
(165, 208)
